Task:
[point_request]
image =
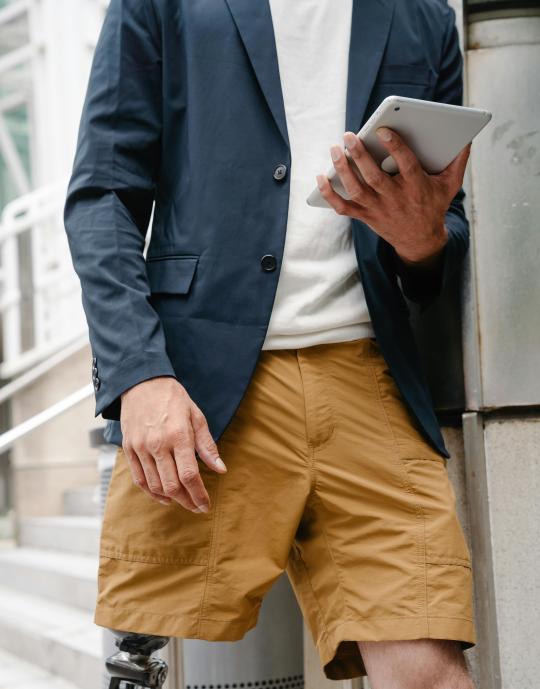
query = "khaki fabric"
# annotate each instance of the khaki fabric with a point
(330, 480)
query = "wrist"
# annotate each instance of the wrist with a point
(146, 382)
(429, 255)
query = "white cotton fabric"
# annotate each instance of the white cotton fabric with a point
(319, 297)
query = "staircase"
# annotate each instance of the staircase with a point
(47, 597)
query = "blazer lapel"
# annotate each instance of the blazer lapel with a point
(370, 27)
(253, 20)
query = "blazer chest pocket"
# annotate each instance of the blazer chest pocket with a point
(405, 74)
(171, 274)
(414, 81)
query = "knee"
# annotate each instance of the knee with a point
(416, 664)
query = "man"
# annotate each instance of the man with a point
(256, 365)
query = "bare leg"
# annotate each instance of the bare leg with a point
(417, 664)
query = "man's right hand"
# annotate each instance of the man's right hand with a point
(162, 428)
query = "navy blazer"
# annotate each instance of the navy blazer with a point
(184, 109)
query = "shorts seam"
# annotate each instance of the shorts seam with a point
(332, 557)
(119, 555)
(312, 589)
(408, 488)
(189, 617)
(316, 444)
(359, 618)
(325, 375)
(208, 580)
(424, 458)
(457, 562)
(314, 494)
(310, 454)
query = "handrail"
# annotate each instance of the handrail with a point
(38, 215)
(8, 438)
(9, 12)
(45, 366)
(35, 356)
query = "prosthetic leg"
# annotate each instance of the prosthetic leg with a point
(133, 665)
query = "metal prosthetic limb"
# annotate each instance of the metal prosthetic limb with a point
(133, 667)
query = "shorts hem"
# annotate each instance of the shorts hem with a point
(347, 663)
(181, 626)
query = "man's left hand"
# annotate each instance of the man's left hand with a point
(407, 209)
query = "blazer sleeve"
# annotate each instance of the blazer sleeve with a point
(109, 202)
(419, 284)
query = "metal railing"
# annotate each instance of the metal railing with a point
(40, 297)
(8, 438)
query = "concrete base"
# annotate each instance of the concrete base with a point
(57, 456)
(503, 483)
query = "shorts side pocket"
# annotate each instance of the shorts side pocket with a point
(139, 529)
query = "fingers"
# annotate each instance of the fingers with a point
(357, 191)
(454, 172)
(408, 164)
(159, 478)
(204, 443)
(139, 477)
(337, 202)
(168, 427)
(375, 178)
(168, 475)
(188, 473)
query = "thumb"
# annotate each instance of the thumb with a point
(205, 446)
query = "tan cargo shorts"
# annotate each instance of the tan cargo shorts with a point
(330, 480)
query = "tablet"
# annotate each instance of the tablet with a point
(436, 133)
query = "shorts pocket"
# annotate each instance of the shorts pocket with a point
(449, 592)
(429, 483)
(424, 476)
(403, 426)
(137, 528)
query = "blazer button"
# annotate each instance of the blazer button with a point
(268, 262)
(280, 172)
(97, 384)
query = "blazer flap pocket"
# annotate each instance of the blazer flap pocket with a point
(405, 74)
(171, 274)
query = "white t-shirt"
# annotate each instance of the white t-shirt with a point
(319, 297)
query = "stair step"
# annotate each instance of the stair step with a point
(64, 577)
(82, 501)
(55, 637)
(19, 674)
(73, 534)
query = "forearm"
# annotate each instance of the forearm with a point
(109, 203)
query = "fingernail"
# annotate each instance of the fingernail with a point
(320, 181)
(384, 134)
(165, 502)
(350, 140)
(220, 464)
(201, 508)
(335, 152)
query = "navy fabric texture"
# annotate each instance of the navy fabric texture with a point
(184, 115)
